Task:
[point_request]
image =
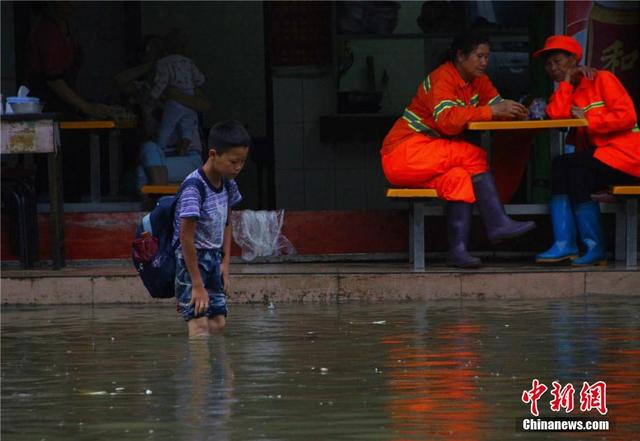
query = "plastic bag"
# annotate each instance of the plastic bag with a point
(537, 107)
(258, 234)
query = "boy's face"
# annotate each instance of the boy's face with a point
(230, 163)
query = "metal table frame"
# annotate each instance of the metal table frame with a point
(94, 127)
(54, 165)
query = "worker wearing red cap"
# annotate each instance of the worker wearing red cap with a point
(607, 150)
(425, 149)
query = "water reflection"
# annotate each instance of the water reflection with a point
(621, 370)
(575, 342)
(384, 371)
(433, 384)
(204, 386)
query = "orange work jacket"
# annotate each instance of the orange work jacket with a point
(613, 123)
(443, 105)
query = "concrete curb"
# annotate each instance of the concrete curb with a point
(326, 283)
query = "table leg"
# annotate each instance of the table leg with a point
(485, 142)
(114, 162)
(621, 232)
(94, 158)
(631, 212)
(56, 209)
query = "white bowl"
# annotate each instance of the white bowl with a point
(25, 107)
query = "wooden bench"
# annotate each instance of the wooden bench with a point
(627, 223)
(159, 190)
(417, 196)
(626, 220)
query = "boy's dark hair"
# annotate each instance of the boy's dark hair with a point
(466, 42)
(226, 135)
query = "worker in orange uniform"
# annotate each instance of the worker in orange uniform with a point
(607, 150)
(425, 148)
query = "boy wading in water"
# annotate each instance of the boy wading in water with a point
(203, 230)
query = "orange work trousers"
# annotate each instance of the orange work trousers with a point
(445, 165)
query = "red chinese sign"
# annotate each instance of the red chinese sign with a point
(610, 33)
(592, 397)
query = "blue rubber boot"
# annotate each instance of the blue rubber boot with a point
(458, 227)
(564, 231)
(498, 225)
(590, 229)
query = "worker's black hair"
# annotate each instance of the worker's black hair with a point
(466, 42)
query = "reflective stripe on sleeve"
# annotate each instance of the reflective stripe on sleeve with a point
(415, 122)
(593, 105)
(495, 100)
(426, 84)
(443, 105)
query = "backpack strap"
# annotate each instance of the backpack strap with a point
(146, 224)
(193, 182)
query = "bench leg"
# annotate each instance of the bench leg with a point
(621, 232)
(94, 167)
(418, 236)
(411, 236)
(114, 162)
(631, 208)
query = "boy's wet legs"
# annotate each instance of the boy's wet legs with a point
(216, 324)
(203, 326)
(198, 327)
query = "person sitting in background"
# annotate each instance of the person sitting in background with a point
(608, 149)
(158, 165)
(180, 72)
(53, 58)
(424, 148)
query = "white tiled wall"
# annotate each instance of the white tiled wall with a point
(313, 175)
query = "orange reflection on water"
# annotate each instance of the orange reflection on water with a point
(620, 369)
(432, 386)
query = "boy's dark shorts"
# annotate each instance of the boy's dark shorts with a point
(209, 265)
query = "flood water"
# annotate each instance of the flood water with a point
(364, 371)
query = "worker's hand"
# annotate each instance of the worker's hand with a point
(574, 74)
(577, 112)
(199, 299)
(509, 109)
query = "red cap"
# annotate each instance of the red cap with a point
(563, 43)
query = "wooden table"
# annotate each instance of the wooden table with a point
(94, 127)
(528, 125)
(38, 133)
(538, 124)
(557, 146)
